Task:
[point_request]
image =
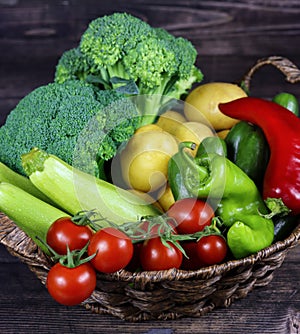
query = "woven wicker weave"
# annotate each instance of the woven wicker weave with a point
(172, 293)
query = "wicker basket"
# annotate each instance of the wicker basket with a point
(169, 294)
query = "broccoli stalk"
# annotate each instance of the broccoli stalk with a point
(122, 52)
(75, 121)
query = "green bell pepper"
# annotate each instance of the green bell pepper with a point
(208, 145)
(212, 145)
(249, 235)
(175, 177)
(248, 148)
(235, 198)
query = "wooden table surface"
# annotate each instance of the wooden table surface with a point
(229, 36)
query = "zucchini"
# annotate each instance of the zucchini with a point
(10, 176)
(29, 213)
(74, 191)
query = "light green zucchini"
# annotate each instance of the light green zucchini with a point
(29, 213)
(74, 191)
(21, 181)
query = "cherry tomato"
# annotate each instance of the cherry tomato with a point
(192, 261)
(211, 249)
(71, 286)
(191, 215)
(154, 255)
(113, 248)
(64, 232)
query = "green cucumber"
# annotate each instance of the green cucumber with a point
(10, 176)
(284, 226)
(29, 213)
(248, 148)
(288, 101)
(74, 191)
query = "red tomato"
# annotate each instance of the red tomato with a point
(212, 249)
(192, 261)
(191, 215)
(113, 248)
(71, 286)
(64, 232)
(154, 255)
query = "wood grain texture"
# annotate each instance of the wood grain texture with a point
(229, 36)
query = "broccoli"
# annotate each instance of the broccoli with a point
(74, 120)
(72, 65)
(119, 50)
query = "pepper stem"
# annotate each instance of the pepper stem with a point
(189, 161)
(277, 208)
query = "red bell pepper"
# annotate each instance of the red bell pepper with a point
(282, 130)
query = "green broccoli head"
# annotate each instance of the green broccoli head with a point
(150, 64)
(107, 38)
(72, 65)
(58, 118)
(123, 46)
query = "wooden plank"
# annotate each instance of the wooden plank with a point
(228, 22)
(23, 78)
(229, 36)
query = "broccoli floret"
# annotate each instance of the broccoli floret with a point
(73, 120)
(72, 65)
(121, 46)
(108, 38)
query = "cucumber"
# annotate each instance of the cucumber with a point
(288, 101)
(29, 213)
(10, 176)
(284, 226)
(74, 191)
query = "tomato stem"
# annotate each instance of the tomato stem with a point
(146, 228)
(72, 259)
(83, 217)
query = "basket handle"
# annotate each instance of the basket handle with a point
(289, 69)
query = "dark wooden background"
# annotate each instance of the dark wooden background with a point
(229, 36)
